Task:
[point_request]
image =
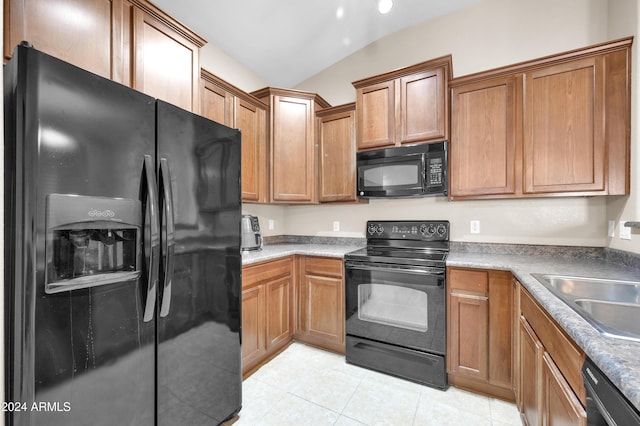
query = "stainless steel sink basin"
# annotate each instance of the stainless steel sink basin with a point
(593, 288)
(611, 306)
(615, 315)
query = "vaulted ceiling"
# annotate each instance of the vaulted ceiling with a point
(285, 42)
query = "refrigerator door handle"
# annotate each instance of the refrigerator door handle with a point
(169, 241)
(154, 254)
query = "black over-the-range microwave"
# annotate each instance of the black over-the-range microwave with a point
(406, 171)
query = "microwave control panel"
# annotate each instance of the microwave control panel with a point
(435, 171)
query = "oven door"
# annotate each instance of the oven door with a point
(396, 304)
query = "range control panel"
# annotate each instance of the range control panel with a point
(419, 230)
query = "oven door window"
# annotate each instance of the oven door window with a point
(394, 306)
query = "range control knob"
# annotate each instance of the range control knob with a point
(442, 230)
(431, 230)
(372, 229)
(423, 229)
(379, 229)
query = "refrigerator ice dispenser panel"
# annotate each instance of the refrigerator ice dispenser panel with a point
(91, 241)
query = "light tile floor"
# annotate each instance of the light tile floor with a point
(308, 386)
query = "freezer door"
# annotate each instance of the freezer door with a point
(199, 372)
(84, 354)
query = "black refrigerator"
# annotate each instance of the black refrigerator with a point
(122, 254)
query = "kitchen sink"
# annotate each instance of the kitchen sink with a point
(611, 306)
(617, 316)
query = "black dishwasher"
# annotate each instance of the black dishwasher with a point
(606, 405)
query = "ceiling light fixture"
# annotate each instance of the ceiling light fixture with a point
(384, 6)
(340, 12)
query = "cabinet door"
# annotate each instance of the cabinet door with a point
(321, 302)
(279, 319)
(376, 115)
(322, 310)
(530, 379)
(468, 334)
(562, 407)
(422, 104)
(166, 64)
(251, 120)
(564, 147)
(216, 103)
(253, 325)
(501, 291)
(86, 33)
(293, 150)
(336, 137)
(483, 138)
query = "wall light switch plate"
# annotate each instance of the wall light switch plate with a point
(336, 225)
(271, 224)
(612, 228)
(625, 232)
(474, 227)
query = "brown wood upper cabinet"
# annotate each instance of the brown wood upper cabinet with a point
(557, 125)
(292, 145)
(226, 104)
(129, 41)
(405, 106)
(480, 331)
(166, 58)
(336, 137)
(85, 33)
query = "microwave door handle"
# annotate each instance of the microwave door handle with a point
(424, 173)
(169, 241)
(154, 254)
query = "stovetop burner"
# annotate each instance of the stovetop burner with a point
(405, 256)
(423, 243)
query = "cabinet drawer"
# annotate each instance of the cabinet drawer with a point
(255, 274)
(469, 280)
(564, 352)
(323, 266)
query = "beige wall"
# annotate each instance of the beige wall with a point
(624, 19)
(222, 65)
(490, 34)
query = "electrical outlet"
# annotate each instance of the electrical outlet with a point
(272, 224)
(625, 232)
(474, 227)
(336, 225)
(612, 228)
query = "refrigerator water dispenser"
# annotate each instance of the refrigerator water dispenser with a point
(91, 241)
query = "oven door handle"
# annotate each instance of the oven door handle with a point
(416, 270)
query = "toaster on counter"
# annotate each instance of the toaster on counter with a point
(251, 236)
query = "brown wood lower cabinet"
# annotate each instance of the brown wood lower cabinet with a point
(480, 331)
(320, 302)
(267, 311)
(549, 384)
(530, 380)
(304, 294)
